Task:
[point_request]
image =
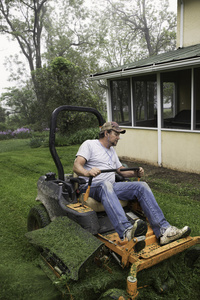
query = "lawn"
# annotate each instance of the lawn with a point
(20, 275)
(21, 166)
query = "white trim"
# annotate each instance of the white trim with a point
(180, 130)
(132, 103)
(162, 129)
(140, 128)
(192, 100)
(159, 119)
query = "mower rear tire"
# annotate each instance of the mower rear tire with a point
(37, 218)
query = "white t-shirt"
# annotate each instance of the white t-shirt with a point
(98, 156)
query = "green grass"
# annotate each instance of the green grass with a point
(21, 167)
(20, 276)
(14, 144)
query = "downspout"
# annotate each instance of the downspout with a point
(159, 119)
(132, 104)
(181, 23)
(193, 108)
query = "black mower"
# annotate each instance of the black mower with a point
(76, 239)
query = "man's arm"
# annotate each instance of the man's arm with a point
(128, 174)
(79, 169)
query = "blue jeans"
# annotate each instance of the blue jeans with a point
(109, 194)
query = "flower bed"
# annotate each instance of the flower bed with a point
(21, 133)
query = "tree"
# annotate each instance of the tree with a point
(24, 22)
(135, 30)
(63, 30)
(2, 115)
(59, 83)
(119, 33)
(67, 29)
(44, 32)
(62, 82)
(21, 102)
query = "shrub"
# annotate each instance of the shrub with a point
(77, 138)
(39, 139)
(5, 135)
(40, 134)
(36, 142)
(22, 133)
(3, 126)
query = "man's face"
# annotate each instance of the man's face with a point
(113, 138)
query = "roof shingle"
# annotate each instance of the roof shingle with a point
(171, 56)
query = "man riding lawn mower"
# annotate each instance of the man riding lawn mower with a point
(94, 155)
(122, 215)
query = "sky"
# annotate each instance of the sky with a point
(8, 48)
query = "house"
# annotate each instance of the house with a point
(157, 100)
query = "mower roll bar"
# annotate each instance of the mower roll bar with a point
(53, 124)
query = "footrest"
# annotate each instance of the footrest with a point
(155, 249)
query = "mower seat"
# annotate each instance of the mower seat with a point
(91, 202)
(96, 205)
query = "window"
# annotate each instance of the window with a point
(176, 99)
(169, 105)
(145, 102)
(121, 102)
(196, 99)
(140, 103)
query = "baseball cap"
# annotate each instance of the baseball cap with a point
(112, 126)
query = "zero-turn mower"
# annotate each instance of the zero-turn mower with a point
(75, 232)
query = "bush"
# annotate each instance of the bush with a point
(5, 135)
(39, 139)
(36, 142)
(77, 138)
(20, 133)
(3, 126)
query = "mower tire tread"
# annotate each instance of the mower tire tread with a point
(37, 218)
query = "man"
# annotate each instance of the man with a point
(96, 155)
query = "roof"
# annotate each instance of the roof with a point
(173, 59)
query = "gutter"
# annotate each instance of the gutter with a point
(148, 69)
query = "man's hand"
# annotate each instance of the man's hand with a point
(94, 172)
(131, 173)
(140, 173)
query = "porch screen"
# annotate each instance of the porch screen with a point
(121, 102)
(145, 103)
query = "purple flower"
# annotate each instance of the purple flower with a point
(21, 130)
(5, 132)
(20, 133)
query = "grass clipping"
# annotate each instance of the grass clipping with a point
(69, 241)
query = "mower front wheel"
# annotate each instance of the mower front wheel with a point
(37, 218)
